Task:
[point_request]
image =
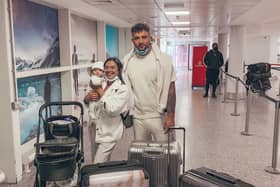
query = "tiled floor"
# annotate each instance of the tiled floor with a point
(213, 135)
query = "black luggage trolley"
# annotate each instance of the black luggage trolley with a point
(61, 151)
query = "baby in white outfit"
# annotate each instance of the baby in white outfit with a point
(97, 79)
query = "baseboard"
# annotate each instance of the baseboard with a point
(27, 160)
(2, 176)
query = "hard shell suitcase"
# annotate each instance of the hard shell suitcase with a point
(162, 160)
(113, 174)
(205, 177)
(154, 160)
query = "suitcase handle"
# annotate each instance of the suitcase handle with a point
(153, 152)
(184, 143)
(114, 164)
(61, 103)
(222, 177)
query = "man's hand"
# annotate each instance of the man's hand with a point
(169, 121)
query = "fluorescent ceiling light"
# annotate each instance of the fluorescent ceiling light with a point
(181, 23)
(183, 28)
(184, 35)
(177, 12)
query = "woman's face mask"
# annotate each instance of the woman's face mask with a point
(112, 79)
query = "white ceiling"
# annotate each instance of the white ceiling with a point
(207, 17)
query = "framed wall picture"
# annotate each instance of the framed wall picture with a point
(32, 93)
(36, 35)
(84, 40)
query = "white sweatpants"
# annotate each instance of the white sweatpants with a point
(100, 152)
(92, 133)
(149, 129)
(103, 152)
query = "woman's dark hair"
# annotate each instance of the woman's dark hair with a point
(140, 27)
(119, 64)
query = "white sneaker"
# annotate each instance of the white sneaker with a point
(74, 180)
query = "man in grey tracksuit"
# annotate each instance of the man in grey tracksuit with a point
(151, 78)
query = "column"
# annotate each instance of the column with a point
(125, 43)
(101, 41)
(273, 49)
(223, 42)
(236, 57)
(10, 157)
(67, 84)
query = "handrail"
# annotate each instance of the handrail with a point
(276, 68)
(273, 168)
(277, 65)
(236, 78)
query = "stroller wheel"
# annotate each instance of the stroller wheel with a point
(39, 183)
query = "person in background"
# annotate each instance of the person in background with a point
(213, 61)
(76, 72)
(151, 78)
(112, 98)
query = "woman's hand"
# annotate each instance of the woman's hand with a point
(92, 96)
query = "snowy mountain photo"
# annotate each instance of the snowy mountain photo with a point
(36, 36)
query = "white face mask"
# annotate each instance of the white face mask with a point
(113, 79)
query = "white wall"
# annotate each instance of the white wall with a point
(10, 157)
(257, 49)
(263, 39)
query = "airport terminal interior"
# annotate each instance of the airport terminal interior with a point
(47, 47)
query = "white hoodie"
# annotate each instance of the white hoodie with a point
(166, 75)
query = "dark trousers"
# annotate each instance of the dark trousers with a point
(211, 78)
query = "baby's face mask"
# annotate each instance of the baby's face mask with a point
(97, 72)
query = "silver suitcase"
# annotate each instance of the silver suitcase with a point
(162, 160)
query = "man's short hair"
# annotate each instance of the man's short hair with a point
(140, 27)
(215, 44)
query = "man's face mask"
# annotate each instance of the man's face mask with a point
(141, 52)
(215, 47)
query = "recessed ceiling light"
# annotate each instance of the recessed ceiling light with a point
(184, 35)
(181, 23)
(183, 28)
(177, 12)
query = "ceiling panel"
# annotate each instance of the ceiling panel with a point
(207, 17)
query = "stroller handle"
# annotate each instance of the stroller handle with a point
(61, 103)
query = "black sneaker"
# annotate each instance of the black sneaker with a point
(205, 95)
(214, 96)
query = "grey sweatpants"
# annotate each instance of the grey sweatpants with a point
(149, 129)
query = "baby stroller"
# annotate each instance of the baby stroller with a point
(57, 157)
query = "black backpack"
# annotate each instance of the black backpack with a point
(258, 76)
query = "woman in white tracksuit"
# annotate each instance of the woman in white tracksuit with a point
(113, 99)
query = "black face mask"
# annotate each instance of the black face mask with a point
(215, 48)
